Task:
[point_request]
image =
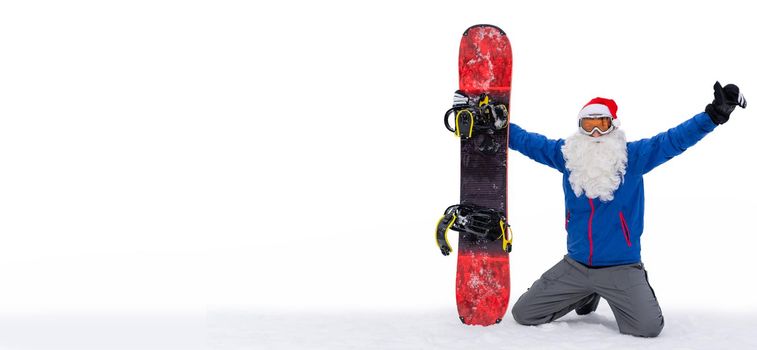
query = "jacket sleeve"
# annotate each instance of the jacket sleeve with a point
(651, 152)
(537, 147)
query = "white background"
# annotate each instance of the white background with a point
(172, 156)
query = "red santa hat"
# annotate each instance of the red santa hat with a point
(600, 107)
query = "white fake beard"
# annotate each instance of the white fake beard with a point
(597, 164)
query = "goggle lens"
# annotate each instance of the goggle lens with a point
(603, 124)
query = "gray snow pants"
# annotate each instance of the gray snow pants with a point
(570, 284)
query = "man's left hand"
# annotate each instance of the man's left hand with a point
(726, 100)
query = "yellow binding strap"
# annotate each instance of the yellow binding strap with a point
(451, 222)
(457, 123)
(485, 101)
(506, 239)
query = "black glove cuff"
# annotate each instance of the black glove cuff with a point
(715, 114)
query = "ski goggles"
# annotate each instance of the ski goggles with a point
(603, 125)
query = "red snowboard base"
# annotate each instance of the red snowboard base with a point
(483, 288)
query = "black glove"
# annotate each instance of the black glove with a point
(726, 100)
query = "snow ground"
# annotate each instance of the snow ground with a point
(102, 331)
(440, 329)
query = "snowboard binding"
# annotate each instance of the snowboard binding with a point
(474, 115)
(480, 222)
(477, 119)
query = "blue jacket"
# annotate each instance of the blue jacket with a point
(608, 233)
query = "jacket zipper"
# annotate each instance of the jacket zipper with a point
(567, 218)
(591, 242)
(624, 226)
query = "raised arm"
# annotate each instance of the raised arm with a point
(651, 152)
(537, 147)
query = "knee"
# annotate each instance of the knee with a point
(652, 330)
(521, 315)
(649, 329)
(518, 313)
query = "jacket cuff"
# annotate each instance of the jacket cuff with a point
(705, 121)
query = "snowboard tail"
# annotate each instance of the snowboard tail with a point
(483, 287)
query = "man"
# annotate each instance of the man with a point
(604, 201)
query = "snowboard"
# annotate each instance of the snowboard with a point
(484, 243)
